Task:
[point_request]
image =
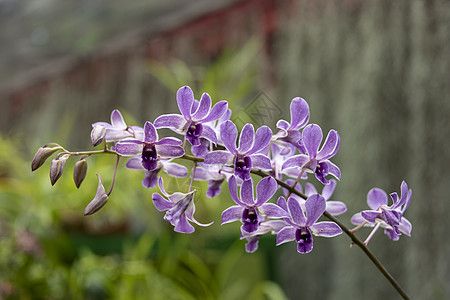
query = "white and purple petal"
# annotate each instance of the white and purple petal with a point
(376, 197)
(203, 108)
(271, 210)
(228, 135)
(219, 157)
(185, 100)
(247, 196)
(265, 189)
(231, 214)
(150, 134)
(246, 138)
(315, 206)
(160, 203)
(329, 147)
(263, 136)
(217, 112)
(173, 121)
(129, 147)
(299, 113)
(336, 207)
(209, 133)
(169, 150)
(312, 137)
(286, 234)
(260, 161)
(296, 213)
(325, 229)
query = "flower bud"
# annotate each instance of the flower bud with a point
(56, 168)
(79, 172)
(99, 200)
(41, 156)
(97, 135)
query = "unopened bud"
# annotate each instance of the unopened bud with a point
(97, 135)
(41, 156)
(99, 200)
(57, 167)
(79, 172)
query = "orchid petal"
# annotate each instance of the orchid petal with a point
(315, 206)
(272, 211)
(376, 198)
(183, 225)
(160, 203)
(185, 100)
(336, 207)
(296, 212)
(246, 138)
(169, 150)
(174, 169)
(117, 120)
(263, 136)
(260, 161)
(299, 113)
(296, 161)
(312, 136)
(219, 157)
(286, 234)
(329, 146)
(326, 229)
(218, 111)
(265, 189)
(151, 135)
(129, 147)
(228, 135)
(209, 133)
(247, 196)
(231, 214)
(203, 108)
(174, 121)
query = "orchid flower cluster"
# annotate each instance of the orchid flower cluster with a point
(281, 163)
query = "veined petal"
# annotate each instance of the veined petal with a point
(209, 133)
(299, 113)
(247, 196)
(160, 203)
(129, 147)
(173, 121)
(296, 161)
(228, 135)
(312, 137)
(286, 234)
(260, 161)
(134, 163)
(203, 108)
(151, 178)
(218, 110)
(246, 139)
(219, 157)
(185, 99)
(150, 134)
(332, 169)
(263, 136)
(169, 150)
(296, 212)
(169, 141)
(329, 146)
(325, 229)
(265, 189)
(174, 169)
(315, 206)
(376, 198)
(357, 219)
(117, 120)
(281, 202)
(370, 215)
(183, 225)
(336, 207)
(232, 186)
(231, 214)
(271, 210)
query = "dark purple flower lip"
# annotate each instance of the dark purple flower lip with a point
(149, 157)
(242, 166)
(250, 219)
(193, 133)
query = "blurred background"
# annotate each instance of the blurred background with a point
(376, 71)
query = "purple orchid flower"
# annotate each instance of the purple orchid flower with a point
(192, 121)
(115, 131)
(151, 147)
(388, 217)
(250, 210)
(180, 208)
(290, 132)
(301, 228)
(246, 156)
(151, 177)
(265, 226)
(314, 160)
